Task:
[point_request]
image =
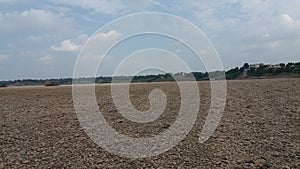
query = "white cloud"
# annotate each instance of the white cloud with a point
(255, 31)
(103, 6)
(289, 23)
(109, 7)
(109, 36)
(287, 18)
(33, 20)
(241, 30)
(3, 57)
(99, 42)
(66, 45)
(95, 50)
(46, 59)
(81, 39)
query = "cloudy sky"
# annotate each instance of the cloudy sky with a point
(42, 39)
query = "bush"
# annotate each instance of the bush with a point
(51, 84)
(3, 85)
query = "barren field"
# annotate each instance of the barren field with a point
(260, 128)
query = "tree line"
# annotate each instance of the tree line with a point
(246, 71)
(258, 70)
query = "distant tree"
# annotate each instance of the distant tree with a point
(246, 66)
(282, 65)
(270, 70)
(278, 71)
(167, 75)
(233, 73)
(3, 85)
(242, 69)
(206, 75)
(289, 67)
(251, 71)
(260, 71)
(198, 75)
(290, 64)
(296, 68)
(297, 64)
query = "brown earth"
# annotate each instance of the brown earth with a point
(260, 128)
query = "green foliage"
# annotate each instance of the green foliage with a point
(233, 73)
(200, 76)
(278, 71)
(246, 66)
(260, 71)
(296, 68)
(264, 70)
(245, 71)
(3, 85)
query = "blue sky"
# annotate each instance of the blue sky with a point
(42, 39)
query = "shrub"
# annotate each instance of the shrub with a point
(51, 84)
(3, 85)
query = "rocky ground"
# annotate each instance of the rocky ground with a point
(259, 128)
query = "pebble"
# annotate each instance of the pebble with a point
(249, 161)
(25, 162)
(286, 167)
(260, 163)
(276, 154)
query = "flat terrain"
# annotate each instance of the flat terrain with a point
(260, 128)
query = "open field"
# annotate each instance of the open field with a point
(260, 128)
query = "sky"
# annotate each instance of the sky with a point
(43, 39)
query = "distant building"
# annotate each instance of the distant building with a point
(270, 66)
(256, 65)
(277, 66)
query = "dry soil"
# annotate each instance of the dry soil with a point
(260, 128)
